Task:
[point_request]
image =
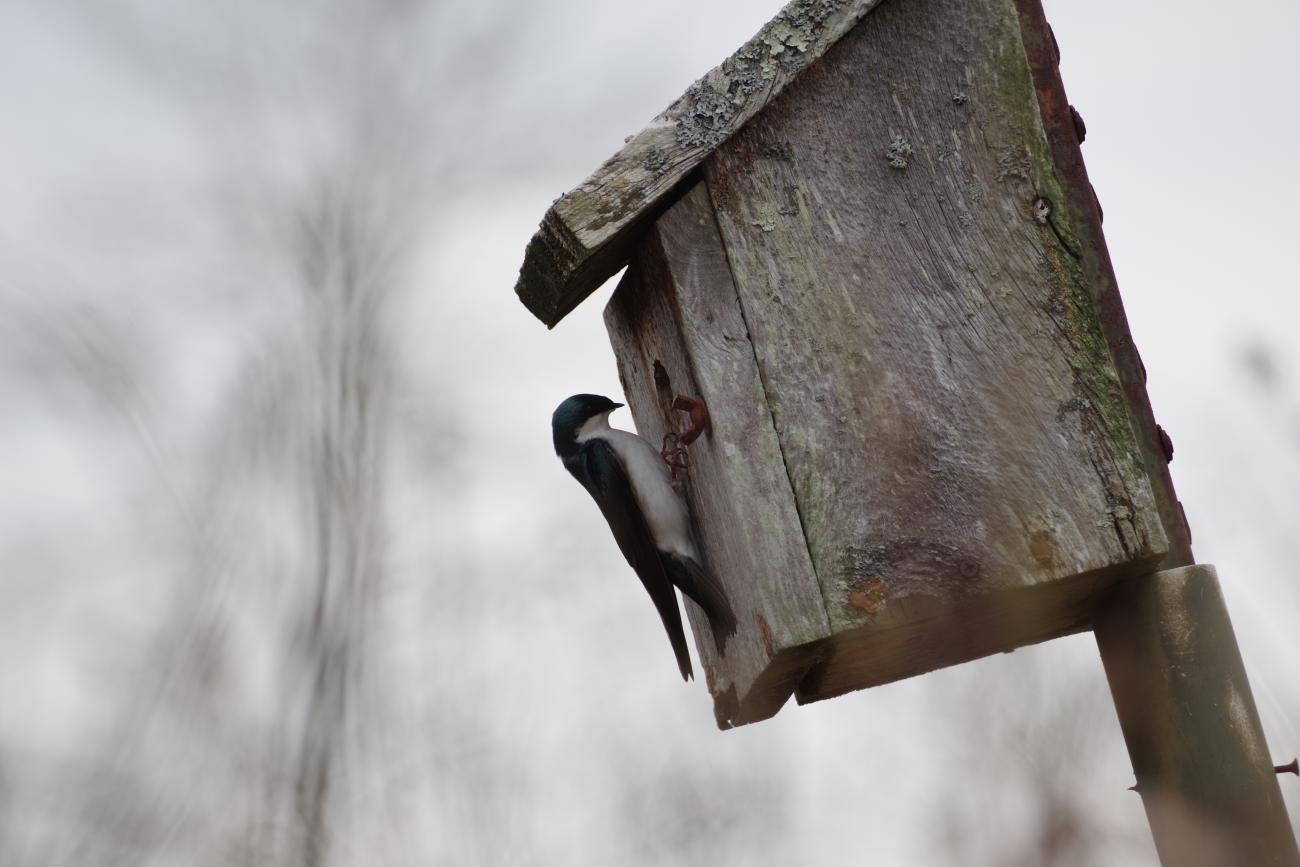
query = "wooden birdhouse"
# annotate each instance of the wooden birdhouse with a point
(868, 244)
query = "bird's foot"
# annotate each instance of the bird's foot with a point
(674, 445)
(674, 454)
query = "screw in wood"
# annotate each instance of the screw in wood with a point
(1080, 128)
(1166, 444)
(1042, 210)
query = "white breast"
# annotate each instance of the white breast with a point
(664, 511)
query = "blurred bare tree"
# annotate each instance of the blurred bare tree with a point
(1027, 730)
(242, 738)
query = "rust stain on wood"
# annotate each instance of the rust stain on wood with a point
(1042, 546)
(765, 634)
(867, 596)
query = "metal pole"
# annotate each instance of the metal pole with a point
(1194, 736)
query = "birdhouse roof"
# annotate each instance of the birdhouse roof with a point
(590, 231)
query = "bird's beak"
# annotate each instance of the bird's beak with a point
(617, 405)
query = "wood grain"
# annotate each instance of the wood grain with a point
(1081, 201)
(948, 410)
(676, 328)
(591, 231)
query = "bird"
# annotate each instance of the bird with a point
(630, 482)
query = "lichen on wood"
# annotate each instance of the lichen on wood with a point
(589, 232)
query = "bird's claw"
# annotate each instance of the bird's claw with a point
(674, 445)
(674, 454)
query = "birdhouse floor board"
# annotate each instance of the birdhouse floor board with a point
(771, 689)
(953, 631)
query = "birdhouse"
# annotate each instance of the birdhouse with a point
(867, 243)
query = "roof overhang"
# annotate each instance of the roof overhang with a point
(590, 231)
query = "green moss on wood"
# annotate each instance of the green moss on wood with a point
(1099, 399)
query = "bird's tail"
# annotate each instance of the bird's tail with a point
(666, 602)
(703, 588)
(683, 655)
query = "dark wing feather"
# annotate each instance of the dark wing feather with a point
(701, 586)
(601, 472)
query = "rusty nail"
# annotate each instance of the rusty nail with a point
(699, 417)
(1080, 128)
(1134, 788)
(1166, 444)
(674, 446)
(1292, 768)
(1186, 526)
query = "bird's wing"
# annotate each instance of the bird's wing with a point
(702, 586)
(602, 473)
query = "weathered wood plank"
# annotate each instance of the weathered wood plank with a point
(1085, 214)
(677, 329)
(947, 405)
(590, 232)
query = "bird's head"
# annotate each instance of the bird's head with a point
(575, 413)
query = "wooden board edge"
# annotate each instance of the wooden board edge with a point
(590, 231)
(1069, 613)
(771, 691)
(1058, 120)
(680, 248)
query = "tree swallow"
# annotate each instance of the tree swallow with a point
(630, 482)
